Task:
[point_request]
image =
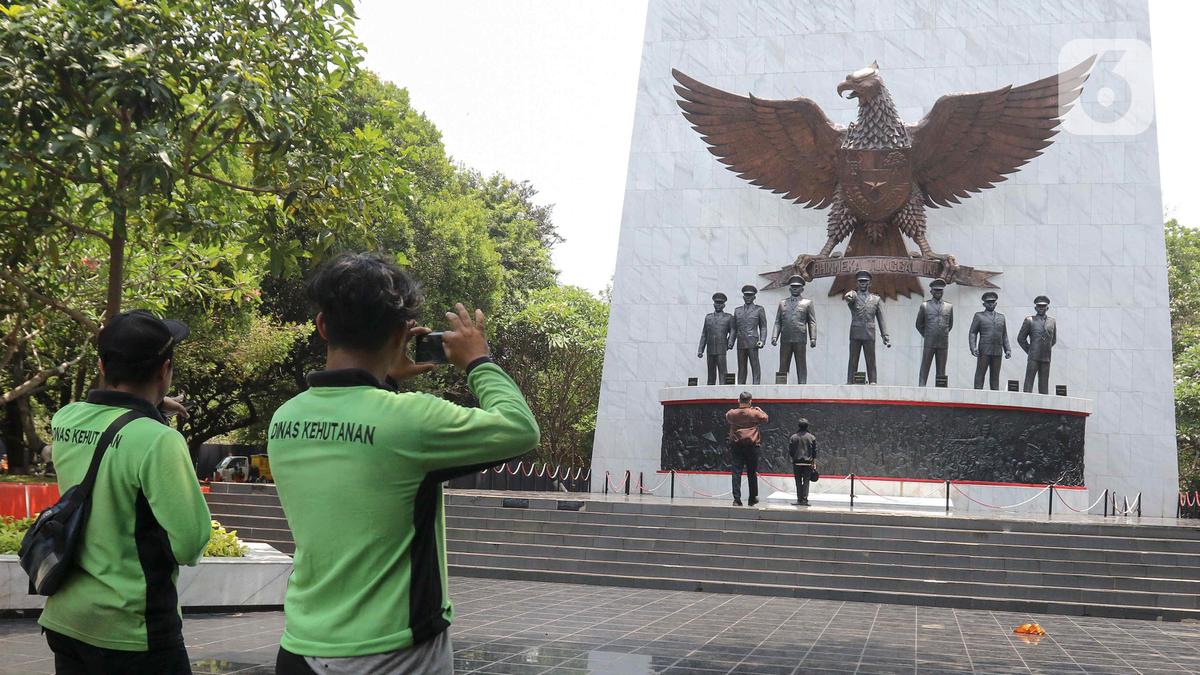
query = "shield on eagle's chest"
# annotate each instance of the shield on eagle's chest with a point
(875, 183)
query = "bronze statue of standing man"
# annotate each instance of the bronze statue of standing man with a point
(796, 323)
(717, 338)
(865, 309)
(1037, 336)
(988, 329)
(750, 321)
(935, 318)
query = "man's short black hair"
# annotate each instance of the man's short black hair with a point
(118, 371)
(802, 424)
(365, 298)
(745, 397)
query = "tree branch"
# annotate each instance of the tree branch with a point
(79, 317)
(229, 136)
(29, 386)
(238, 186)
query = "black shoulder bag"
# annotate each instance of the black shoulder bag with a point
(49, 548)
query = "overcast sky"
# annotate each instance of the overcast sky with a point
(543, 90)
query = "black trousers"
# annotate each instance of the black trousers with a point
(748, 354)
(74, 657)
(287, 663)
(798, 352)
(867, 347)
(928, 354)
(1040, 369)
(803, 476)
(745, 458)
(991, 366)
(716, 368)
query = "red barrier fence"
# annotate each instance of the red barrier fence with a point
(22, 500)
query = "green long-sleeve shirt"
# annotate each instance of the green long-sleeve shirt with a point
(359, 470)
(147, 518)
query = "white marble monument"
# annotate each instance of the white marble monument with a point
(1081, 224)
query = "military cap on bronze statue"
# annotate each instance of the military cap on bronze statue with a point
(866, 309)
(750, 321)
(1036, 338)
(935, 318)
(717, 338)
(796, 326)
(988, 339)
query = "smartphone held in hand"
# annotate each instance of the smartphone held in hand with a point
(428, 348)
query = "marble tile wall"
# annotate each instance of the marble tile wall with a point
(1082, 223)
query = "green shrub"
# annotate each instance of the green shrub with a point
(11, 531)
(224, 544)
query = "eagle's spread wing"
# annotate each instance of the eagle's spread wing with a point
(968, 142)
(787, 147)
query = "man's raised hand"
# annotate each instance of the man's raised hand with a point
(465, 341)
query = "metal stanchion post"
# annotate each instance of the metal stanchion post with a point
(1105, 502)
(1050, 510)
(1139, 503)
(605, 482)
(851, 490)
(947, 496)
(641, 482)
(672, 484)
(626, 482)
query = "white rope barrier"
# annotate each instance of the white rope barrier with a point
(701, 492)
(1131, 507)
(993, 506)
(1087, 510)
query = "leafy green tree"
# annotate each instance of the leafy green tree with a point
(228, 370)
(1183, 259)
(553, 347)
(135, 125)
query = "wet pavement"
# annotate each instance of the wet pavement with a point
(537, 627)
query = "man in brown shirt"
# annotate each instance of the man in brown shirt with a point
(744, 439)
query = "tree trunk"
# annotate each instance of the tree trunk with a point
(116, 262)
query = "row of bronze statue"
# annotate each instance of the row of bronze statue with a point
(796, 324)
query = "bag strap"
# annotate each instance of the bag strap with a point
(89, 480)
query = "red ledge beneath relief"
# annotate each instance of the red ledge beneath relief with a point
(864, 401)
(892, 479)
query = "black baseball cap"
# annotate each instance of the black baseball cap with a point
(139, 337)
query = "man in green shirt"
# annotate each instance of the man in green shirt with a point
(359, 469)
(118, 610)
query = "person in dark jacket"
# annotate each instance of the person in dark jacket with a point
(802, 448)
(744, 440)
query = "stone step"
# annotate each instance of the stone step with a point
(741, 536)
(848, 530)
(932, 598)
(846, 582)
(865, 568)
(245, 510)
(619, 545)
(247, 499)
(1113, 527)
(257, 523)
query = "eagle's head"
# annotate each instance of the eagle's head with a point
(863, 84)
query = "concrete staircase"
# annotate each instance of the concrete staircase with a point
(1083, 567)
(253, 510)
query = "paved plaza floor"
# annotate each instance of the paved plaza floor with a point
(533, 627)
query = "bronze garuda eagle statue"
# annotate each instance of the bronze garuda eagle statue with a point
(878, 175)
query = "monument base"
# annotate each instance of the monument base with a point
(921, 433)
